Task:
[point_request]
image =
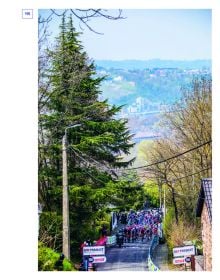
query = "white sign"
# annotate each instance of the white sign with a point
(100, 259)
(179, 261)
(93, 250)
(184, 251)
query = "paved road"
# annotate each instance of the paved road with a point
(160, 257)
(131, 257)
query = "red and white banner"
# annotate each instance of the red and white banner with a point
(99, 259)
(179, 260)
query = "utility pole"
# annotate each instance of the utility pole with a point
(66, 226)
(66, 233)
(164, 201)
(160, 192)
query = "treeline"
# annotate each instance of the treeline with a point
(68, 95)
(154, 63)
(183, 157)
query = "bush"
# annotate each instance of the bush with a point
(167, 229)
(50, 232)
(176, 234)
(67, 266)
(183, 232)
(48, 259)
(152, 193)
(168, 221)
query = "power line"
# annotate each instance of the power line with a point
(192, 174)
(180, 178)
(185, 195)
(164, 160)
(174, 180)
(100, 165)
(89, 164)
(96, 179)
(75, 149)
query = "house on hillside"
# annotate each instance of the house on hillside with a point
(204, 210)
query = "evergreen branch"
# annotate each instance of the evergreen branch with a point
(95, 163)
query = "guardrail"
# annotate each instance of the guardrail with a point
(150, 263)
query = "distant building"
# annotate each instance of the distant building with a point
(204, 210)
(118, 78)
(132, 109)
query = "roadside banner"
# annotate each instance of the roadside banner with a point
(93, 250)
(99, 259)
(179, 260)
(184, 251)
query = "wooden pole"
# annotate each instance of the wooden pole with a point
(66, 233)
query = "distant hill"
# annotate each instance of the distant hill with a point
(153, 63)
(145, 89)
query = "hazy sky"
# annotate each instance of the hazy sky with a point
(146, 34)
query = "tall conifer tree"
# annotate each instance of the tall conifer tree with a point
(94, 147)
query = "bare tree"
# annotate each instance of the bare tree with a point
(85, 16)
(189, 125)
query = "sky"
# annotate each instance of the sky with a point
(183, 34)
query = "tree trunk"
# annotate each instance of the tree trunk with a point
(175, 205)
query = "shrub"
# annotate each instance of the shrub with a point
(167, 229)
(183, 232)
(177, 234)
(67, 266)
(48, 258)
(168, 221)
(50, 232)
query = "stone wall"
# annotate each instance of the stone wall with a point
(207, 239)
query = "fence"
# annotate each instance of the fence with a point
(154, 243)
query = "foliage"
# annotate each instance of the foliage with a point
(152, 193)
(182, 232)
(143, 147)
(129, 192)
(69, 94)
(177, 234)
(70, 98)
(188, 126)
(167, 222)
(47, 259)
(50, 232)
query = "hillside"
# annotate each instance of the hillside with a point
(146, 89)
